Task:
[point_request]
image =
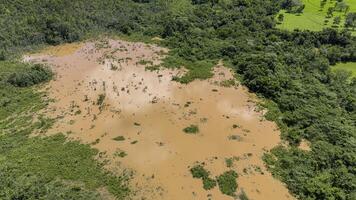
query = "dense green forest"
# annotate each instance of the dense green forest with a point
(291, 70)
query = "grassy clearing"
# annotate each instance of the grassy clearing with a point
(196, 70)
(44, 167)
(350, 66)
(314, 17)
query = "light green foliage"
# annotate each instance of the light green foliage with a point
(196, 70)
(228, 83)
(229, 162)
(350, 66)
(314, 16)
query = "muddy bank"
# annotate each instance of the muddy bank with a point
(106, 96)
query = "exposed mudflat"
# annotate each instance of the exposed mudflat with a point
(102, 91)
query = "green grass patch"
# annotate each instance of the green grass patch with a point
(314, 17)
(195, 70)
(349, 66)
(15, 100)
(228, 83)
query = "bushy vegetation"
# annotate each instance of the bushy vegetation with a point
(43, 167)
(15, 100)
(198, 171)
(30, 76)
(119, 138)
(192, 129)
(227, 182)
(291, 70)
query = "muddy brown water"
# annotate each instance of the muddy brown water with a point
(150, 112)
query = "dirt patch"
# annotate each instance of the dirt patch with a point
(304, 145)
(105, 96)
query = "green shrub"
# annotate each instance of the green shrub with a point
(243, 195)
(36, 74)
(119, 138)
(227, 182)
(192, 129)
(198, 171)
(30, 186)
(208, 183)
(100, 99)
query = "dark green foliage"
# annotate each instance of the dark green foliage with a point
(119, 138)
(350, 20)
(198, 171)
(291, 70)
(292, 6)
(30, 76)
(13, 99)
(227, 182)
(192, 129)
(100, 99)
(208, 183)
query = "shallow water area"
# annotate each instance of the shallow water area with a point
(105, 96)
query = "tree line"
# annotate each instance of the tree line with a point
(291, 70)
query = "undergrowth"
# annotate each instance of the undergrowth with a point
(44, 167)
